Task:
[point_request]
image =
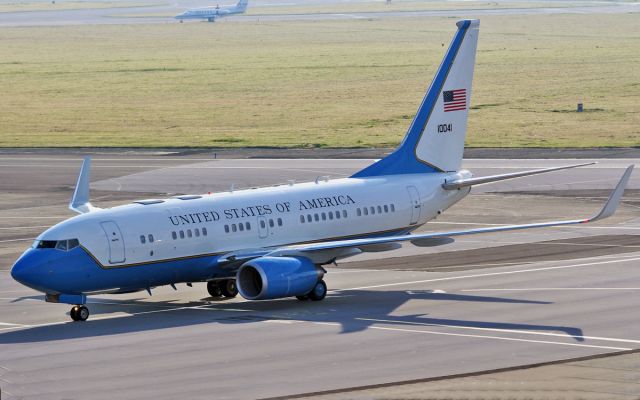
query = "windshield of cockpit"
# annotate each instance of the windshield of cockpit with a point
(63, 245)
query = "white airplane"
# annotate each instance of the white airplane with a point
(273, 242)
(211, 13)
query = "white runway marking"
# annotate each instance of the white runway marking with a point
(16, 240)
(522, 271)
(483, 337)
(27, 227)
(534, 289)
(49, 217)
(9, 324)
(564, 335)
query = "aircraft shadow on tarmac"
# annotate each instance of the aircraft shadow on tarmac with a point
(341, 307)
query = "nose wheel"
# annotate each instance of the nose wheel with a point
(79, 313)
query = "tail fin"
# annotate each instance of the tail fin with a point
(242, 5)
(435, 140)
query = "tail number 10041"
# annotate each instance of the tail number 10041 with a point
(444, 128)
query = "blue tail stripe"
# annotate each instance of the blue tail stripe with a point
(403, 160)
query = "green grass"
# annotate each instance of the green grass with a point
(330, 83)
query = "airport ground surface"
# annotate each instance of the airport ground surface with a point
(162, 12)
(478, 304)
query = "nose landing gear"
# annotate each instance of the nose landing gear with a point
(79, 313)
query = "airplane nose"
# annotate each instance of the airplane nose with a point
(20, 270)
(28, 269)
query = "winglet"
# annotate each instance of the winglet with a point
(80, 200)
(612, 203)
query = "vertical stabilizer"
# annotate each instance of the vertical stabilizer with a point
(435, 140)
(242, 5)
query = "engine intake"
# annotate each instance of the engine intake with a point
(276, 277)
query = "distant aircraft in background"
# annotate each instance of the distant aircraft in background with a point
(211, 13)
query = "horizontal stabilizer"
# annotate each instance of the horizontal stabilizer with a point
(460, 183)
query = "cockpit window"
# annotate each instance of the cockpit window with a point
(46, 244)
(63, 245)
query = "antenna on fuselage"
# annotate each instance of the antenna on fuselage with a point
(80, 200)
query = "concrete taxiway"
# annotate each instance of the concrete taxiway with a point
(477, 304)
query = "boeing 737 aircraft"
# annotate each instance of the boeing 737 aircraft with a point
(273, 242)
(211, 13)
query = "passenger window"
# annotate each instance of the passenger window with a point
(226, 228)
(359, 212)
(302, 219)
(189, 234)
(324, 216)
(204, 231)
(263, 224)
(174, 235)
(393, 208)
(373, 210)
(142, 239)
(344, 213)
(181, 234)
(247, 225)
(308, 217)
(279, 221)
(366, 211)
(150, 238)
(233, 228)
(197, 232)
(379, 210)
(337, 214)
(271, 224)
(241, 227)
(386, 208)
(61, 245)
(73, 243)
(330, 214)
(316, 217)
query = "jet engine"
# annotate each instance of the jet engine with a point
(275, 277)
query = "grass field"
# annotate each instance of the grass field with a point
(329, 83)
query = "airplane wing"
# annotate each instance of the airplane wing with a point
(331, 248)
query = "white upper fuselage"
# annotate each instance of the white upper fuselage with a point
(210, 12)
(258, 218)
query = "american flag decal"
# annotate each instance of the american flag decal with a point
(455, 100)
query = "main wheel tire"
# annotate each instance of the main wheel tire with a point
(83, 313)
(74, 313)
(319, 291)
(214, 289)
(229, 288)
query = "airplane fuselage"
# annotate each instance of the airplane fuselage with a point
(160, 242)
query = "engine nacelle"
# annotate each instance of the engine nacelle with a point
(275, 277)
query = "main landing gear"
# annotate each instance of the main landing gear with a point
(226, 288)
(319, 292)
(79, 313)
